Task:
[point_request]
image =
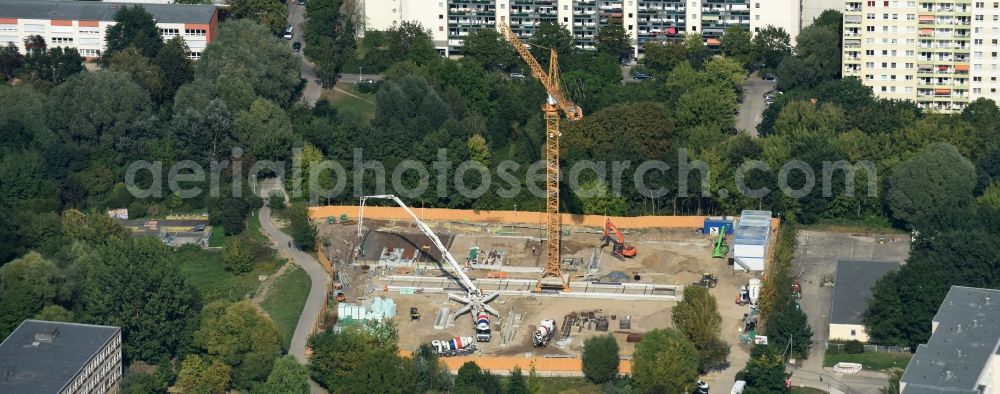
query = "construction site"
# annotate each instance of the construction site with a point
(614, 280)
(492, 284)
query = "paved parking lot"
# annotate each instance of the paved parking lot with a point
(752, 107)
(816, 256)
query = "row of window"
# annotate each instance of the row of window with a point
(34, 28)
(912, 4)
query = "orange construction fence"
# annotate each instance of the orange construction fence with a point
(509, 217)
(543, 365)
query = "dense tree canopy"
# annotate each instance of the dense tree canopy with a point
(133, 284)
(134, 27)
(246, 51)
(600, 358)
(936, 177)
(665, 361)
(697, 316)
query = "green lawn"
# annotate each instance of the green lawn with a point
(218, 237)
(554, 385)
(204, 270)
(343, 102)
(874, 361)
(285, 301)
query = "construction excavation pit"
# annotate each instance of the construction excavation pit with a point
(485, 302)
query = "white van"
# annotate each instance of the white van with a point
(738, 387)
(288, 33)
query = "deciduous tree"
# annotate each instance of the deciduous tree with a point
(268, 13)
(936, 177)
(765, 371)
(772, 45)
(246, 51)
(697, 316)
(665, 361)
(287, 377)
(737, 43)
(26, 285)
(143, 71)
(264, 131)
(134, 27)
(133, 284)
(612, 40)
(177, 68)
(491, 49)
(198, 375)
(600, 359)
(239, 335)
(662, 57)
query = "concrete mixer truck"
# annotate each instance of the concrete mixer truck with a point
(545, 331)
(457, 346)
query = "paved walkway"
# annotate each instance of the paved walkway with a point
(317, 292)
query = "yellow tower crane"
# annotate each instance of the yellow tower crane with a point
(555, 103)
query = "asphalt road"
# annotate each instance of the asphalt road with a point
(753, 104)
(311, 92)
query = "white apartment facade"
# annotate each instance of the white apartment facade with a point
(82, 25)
(643, 20)
(941, 54)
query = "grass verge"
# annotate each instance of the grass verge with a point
(205, 270)
(875, 361)
(285, 301)
(218, 237)
(363, 104)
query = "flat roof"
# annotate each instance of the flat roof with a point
(30, 365)
(753, 228)
(967, 335)
(852, 288)
(102, 11)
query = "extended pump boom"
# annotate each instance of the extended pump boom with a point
(476, 301)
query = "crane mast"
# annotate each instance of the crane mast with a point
(555, 102)
(475, 301)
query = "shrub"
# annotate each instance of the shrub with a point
(854, 347)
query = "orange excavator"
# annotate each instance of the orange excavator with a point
(614, 236)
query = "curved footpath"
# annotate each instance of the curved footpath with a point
(317, 291)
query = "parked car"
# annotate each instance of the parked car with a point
(288, 32)
(296, 46)
(302, 2)
(641, 76)
(770, 77)
(517, 75)
(199, 228)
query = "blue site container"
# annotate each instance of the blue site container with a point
(716, 223)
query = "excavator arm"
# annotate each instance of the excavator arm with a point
(610, 230)
(550, 80)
